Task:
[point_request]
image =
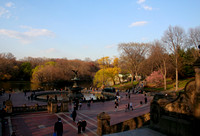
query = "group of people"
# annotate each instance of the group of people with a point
(81, 126)
(129, 106)
(58, 127)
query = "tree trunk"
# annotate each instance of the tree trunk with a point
(131, 78)
(176, 73)
(165, 74)
(113, 81)
(119, 79)
(136, 75)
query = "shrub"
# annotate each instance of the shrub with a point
(156, 77)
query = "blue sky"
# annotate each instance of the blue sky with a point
(79, 29)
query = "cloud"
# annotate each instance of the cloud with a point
(27, 36)
(4, 13)
(139, 23)
(147, 7)
(9, 4)
(140, 1)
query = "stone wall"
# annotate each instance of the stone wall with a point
(131, 124)
(105, 128)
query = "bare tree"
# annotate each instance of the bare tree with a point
(194, 39)
(159, 59)
(174, 37)
(132, 55)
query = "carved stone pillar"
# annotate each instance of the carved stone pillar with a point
(53, 107)
(8, 107)
(196, 112)
(103, 124)
(36, 107)
(64, 106)
(197, 90)
(48, 106)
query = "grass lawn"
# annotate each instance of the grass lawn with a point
(124, 86)
(153, 88)
(170, 85)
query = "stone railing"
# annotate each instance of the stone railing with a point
(25, 108)
(131, 124)
(52, 107)
(105, 128)
(89, 91)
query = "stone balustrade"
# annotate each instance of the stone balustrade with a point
(51, 107)
(104, 127)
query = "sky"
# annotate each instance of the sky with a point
(80, 29)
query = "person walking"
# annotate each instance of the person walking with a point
(56, 98)
(88, 103)
(58, 127)
(128, 106)
(84, 124)
(74, 115)
(79, 124)
(131, 106)
(116, 105)
(129, 95)
(9, 96)
(80, 105)
(145, 99)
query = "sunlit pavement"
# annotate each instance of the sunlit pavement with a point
(42, 123)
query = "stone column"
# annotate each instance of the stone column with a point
(196, 98)
(197, 91)
(8, 105)
(48, 106)
(103, 124)
(64, 106)
(53, 107)
(36, 107)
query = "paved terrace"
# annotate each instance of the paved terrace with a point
(42, 123)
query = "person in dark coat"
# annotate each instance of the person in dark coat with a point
(74, 115)
(9, 96)
(56, 98)
(145, 99)
(79, 124)
(84, 124)
(128, 106)
(58, 127)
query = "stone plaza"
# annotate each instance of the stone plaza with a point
(41, 123)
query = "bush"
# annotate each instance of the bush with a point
(156, 77)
